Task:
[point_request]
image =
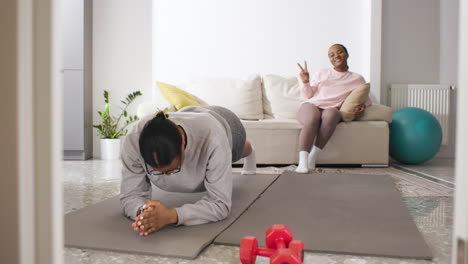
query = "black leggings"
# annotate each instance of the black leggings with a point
(316, 123)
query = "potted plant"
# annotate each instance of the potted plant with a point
(110, 130)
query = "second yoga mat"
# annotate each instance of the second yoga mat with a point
(335, 213)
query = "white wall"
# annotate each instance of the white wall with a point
(236, 38)
(419, 45)
(376, 49)
(121, 53)
(449, 19)
(449, 13)
(410, 42)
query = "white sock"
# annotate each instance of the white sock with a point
(250, 163)
(313, 157)
(302, 166)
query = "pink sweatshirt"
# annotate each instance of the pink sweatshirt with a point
(329, 88)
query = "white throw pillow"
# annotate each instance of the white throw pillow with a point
(283, 96)
(242, 96)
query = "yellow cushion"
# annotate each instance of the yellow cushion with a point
(177, 97)
(357, 97)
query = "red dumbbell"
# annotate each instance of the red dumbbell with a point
(281, 248)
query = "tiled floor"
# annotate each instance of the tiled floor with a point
(437, 169)
(89, 182)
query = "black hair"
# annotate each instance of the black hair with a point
(342, 46)
(160, 141)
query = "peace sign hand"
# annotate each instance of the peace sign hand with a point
(304, 74)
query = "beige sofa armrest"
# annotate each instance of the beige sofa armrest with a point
(377, 112)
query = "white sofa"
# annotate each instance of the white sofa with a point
(268, 106)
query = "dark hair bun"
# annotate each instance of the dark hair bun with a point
(161, 115)
(160, 141)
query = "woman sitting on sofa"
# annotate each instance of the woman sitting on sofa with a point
(188, 151)
(319, 114)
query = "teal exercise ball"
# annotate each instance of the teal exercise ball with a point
(415, 135)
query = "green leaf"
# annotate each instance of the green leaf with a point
(115, 126)
(106, 111)
(106, 96)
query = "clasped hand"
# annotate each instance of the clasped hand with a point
(155, 216)
(359, 110)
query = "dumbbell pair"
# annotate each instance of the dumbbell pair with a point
(281, 248)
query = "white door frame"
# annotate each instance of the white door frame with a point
(460, 234)
(25, 132)
(39, 115)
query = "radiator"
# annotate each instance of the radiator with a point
(434, 98)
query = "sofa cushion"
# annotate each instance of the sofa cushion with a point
(282, 96)
(176, 97)
(276, 141)
(357, 97)
(242, 96)
(357, 143)
(377, 112)
(272, 124)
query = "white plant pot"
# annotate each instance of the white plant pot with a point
(110, 148)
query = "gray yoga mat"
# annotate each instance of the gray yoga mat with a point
(102, 226)
(334, 213)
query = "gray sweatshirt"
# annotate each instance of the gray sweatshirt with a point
(207, 167)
